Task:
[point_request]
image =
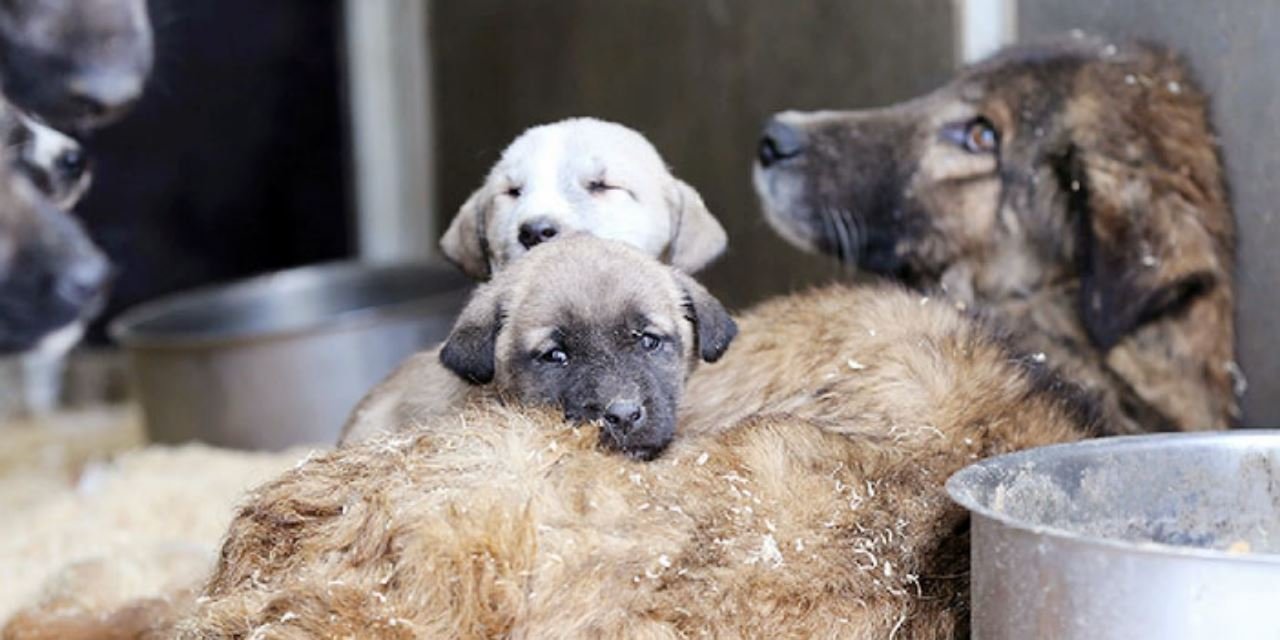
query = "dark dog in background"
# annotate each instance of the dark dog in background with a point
(51, 275)
(75, 64)
(78, 64)
(1073, 190)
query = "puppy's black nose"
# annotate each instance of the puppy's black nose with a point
(100, 93)
(624, 415)
(71, 163)
(85, 280)
(537, 231)
(779, 142)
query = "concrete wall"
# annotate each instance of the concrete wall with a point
(1233, 47)
(698, 77)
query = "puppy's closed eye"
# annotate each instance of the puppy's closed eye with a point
(600, 185)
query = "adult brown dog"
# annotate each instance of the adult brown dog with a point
(1072, 190)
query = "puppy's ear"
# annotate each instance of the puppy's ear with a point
(464, 243)
(1146, 245)
(469, 351)
(696, 236)
(713, 328)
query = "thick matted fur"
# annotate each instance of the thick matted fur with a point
(820, 515)
(1073, 190)
(588, 176)
(591, 326)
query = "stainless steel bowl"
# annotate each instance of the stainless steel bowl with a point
(1162, 536)
(281, 359)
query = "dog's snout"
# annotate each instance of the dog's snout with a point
(625, 415)
(99, 94)
(537, 231)
(85, 280)
(780, 142)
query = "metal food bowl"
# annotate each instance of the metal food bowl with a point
(1162, 536)
(281, 359)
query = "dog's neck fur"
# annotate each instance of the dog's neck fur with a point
(1150, 381)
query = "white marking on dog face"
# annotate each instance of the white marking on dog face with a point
(43, 154)
(580, 175)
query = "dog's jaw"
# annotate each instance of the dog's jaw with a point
(779, 192)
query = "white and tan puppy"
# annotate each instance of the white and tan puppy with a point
(582, 175)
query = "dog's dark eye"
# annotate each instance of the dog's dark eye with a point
(554, 356)
(599, 186)
(513, 192)
(975, 136)
(650, 342)
(980, 136)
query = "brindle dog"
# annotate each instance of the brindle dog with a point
(1073, 190)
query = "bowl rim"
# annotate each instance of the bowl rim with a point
(959, 485)
(124, 328)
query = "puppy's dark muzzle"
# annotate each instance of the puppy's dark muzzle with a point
(780, 142)
(627, 427)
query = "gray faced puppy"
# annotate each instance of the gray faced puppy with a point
(592, 326)
(582, 175)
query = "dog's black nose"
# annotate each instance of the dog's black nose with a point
(85, 280)
(537, 231)
(779, 142)
(71, 163)
(100, 93)
(624, 415)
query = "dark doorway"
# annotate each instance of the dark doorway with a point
(234, 162)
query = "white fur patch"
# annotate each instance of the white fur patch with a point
(553, 166)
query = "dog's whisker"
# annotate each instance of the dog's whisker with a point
(847, 239)
(829, 228)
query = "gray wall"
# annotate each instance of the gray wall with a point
(1234, 48)
(697, 76)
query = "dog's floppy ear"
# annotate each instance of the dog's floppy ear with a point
(713, 327)
(470, 349)
(696, 236)
(1146, 245)
(464, 243)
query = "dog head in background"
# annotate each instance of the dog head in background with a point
(582, 175)
(52, 277)
(77, 64)
(1079, 165)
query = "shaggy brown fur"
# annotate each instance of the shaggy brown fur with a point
(1072, 190)
(820, 515)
